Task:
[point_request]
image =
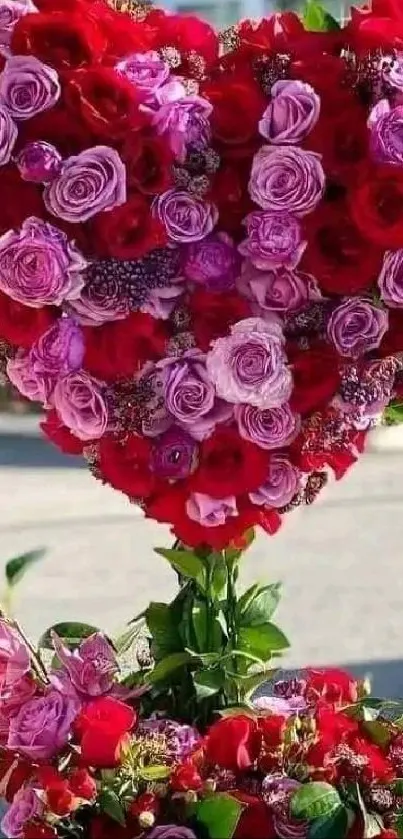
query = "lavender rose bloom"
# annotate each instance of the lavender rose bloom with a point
(278, 290)
(185, 218)
(292, 113)
(10, 13)
(184, 122)
(28, 87)
(59, 351)
(39, 162)
(171, 831)
(174, 454)
(213, 262)
(210, 512)
(386, 138)
(280, 486)
(91, 667)
(286, 180)
(356, 327)
(269, 428)
(250, 365)
(20, 371)
(26, 805)
(81, 406)
(274, 240)
(39, 266)
(146, 70)
(390, 280)
(42, 726)
(8, 134)
(90, 182)
(190, 396)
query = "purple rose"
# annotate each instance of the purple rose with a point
(280, 486)
(390, 280)
(269, 428)
(277, 793)
(356, 327)
(292, 113)
(185, 218)
(274, 240)
(190, 396)
(42, 726)
(59, 351)
(386, 138)
(391, 70)
(91, 667)
(250, 364)
(279, 705)
(171, 831)
(39, 266)
(286, 180)
(90, 182)
(10, 13)
(28, 87)
(79, 401)
(278, 290)
(31, 385)
(26, 805)
(161, 301)
(174, 454)
(184, 122)
(146, 70)
(210, 512)
(39, 162)
(214, 262)
(14, 657)
(8, 134)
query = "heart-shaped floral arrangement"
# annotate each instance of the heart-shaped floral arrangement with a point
(201, 251)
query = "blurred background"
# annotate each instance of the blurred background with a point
(226, 12)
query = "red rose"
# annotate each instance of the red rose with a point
(19, 199)
(102, 727)
(148, 162)
(332, 685)
(214, 314)
(339, 255)
(60, 799)
(63, 40)
(238, 104)
(233, 743)
(123, 34)
(103, 827)
(185, 777)
(272, 728)
(60, 435)
(229, 192)
(316, 377)
(229, 465)
(21, 771)
(82, 784)
(23, 325)
(120, 348)
(126, 465)
(341, 137)
(255, 821)
(377, 768)
(274, 33)
(325, 73)
(56, 126)
(187, 34)
(129, 231)
(39, 830)
(368, 30)
(392, 341)
(377, 206)
(106, 102)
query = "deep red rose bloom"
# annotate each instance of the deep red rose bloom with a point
(378, 768)
(377, 206)
(106, 102)
(392, 341)
(274, 33)
(126, 465)
(316, 377)
(102, 728)
(56, 126)
(229, 465)
(129, 231)
(341, 137)
(120, 348)
(255, 821)
(188, 34)
(23, 325)
(272, 728)
(123, 34)
(39, 830)
(62, 40)
(21, 772)
(19, 199)
(185, 777)
(332, 685)
(370, 30)
(103, 827)
(339, 255)
(214, 314)
(229, 192)
(233, 743)
(325, 73)
(60, 799)
(61, 436)
(148, 162)
(238, 104)
(82, 784)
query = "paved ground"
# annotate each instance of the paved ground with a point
(341, 561)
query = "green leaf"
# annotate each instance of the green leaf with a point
(220, 815)
(110, 804)
(262, 640)
(208, 682)
(167, 666)
(317, 19)
(398, 825)
(378, 732)
(246, 599)
(17, 567)
(155, 773)
(314, 800)
(126, 640)
(393, 414)
(71, 633)
(262, 606)
(199, 621)
(185, 563)
(328, 827)
(163, 629)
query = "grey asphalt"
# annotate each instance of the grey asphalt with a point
(341, 561)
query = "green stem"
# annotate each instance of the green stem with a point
(232, 623)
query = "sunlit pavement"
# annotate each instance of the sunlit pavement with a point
(341, 561)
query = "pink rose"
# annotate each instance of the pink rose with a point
(42, 726)
(26, 805)
(79, 401)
